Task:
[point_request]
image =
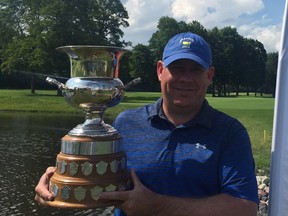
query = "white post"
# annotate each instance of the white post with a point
(278, 199)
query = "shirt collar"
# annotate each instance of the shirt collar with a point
(204, 117)
(155, 110)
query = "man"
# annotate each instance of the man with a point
(186, 157)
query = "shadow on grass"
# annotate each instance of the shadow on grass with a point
(241, 96)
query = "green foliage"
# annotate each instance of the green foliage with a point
(31, 55)
(141, 64)
(36, 28)
(167, 28)
(238, 61)
(124, 69)
(271, 72)
(223, 45)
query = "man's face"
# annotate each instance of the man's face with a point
(184, 83)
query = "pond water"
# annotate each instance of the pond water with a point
(29, 143)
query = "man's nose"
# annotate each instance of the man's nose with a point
(186, 75)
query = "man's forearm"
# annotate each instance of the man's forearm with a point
(217, 205)
(141, 201)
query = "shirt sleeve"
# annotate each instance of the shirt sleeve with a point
(237, 167)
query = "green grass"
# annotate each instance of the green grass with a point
(42, 101)
(256, 113)
(48, 101)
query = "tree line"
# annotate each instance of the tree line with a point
(31, 30)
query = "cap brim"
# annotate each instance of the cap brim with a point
(189, 56)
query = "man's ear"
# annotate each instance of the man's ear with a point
(160, 68)
(210, 73)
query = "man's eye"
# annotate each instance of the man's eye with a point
(198, 69)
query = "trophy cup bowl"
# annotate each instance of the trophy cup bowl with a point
(91, 159)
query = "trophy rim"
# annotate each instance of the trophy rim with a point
(91, 46)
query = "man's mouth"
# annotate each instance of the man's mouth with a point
(184, 89)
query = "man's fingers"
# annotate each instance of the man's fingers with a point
(42, 189)
(135, 179)
(50, 171)
(39, 200)
(44, 194)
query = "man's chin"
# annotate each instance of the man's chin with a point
(181, 103)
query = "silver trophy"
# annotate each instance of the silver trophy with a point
(91, 160)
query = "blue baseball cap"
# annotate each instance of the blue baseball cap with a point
(188, 45)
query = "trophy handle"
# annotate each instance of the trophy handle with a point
(60, 85)
(132, 83)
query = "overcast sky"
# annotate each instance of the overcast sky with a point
(257, 19)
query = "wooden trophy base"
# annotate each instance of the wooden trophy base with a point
(80, 178)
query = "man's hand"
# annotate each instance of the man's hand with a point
(42, 189)
(138, 201)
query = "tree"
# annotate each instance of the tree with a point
(271, 73)
(216, 47)
(8, 27)
(223, 44)
(167, 27)
(197, 28)
(142, 65)
(38, 27)
(255, 60)
(124, 70)
(259, 63)
(238, 61)
(86, 22)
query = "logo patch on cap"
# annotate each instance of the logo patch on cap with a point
(186, 42)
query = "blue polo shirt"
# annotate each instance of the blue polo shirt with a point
(208, 155)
